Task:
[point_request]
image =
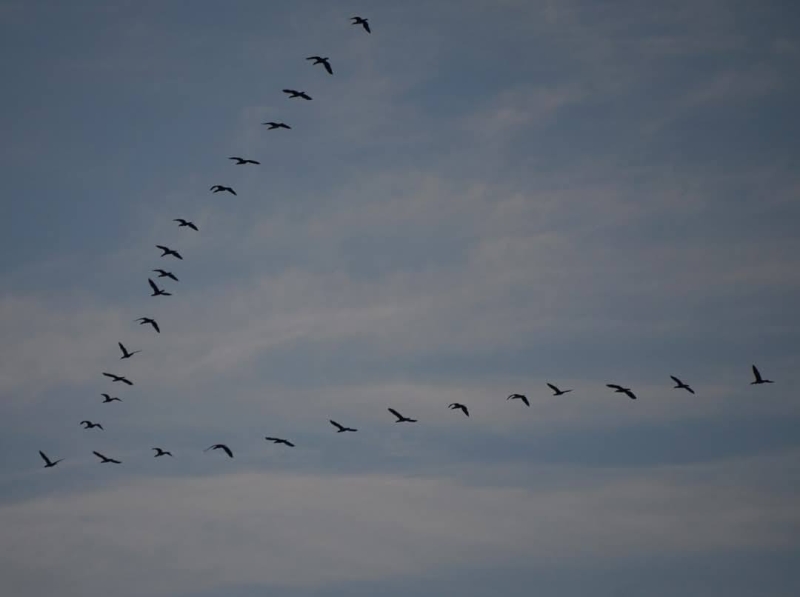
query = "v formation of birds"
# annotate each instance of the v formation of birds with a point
(157, 291)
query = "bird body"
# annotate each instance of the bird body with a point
(341, 428)
(680, 385)
(167, 251)
(323, 61)
(47, 462)
(125, 353)
(152, 322)
(160, 452)
(242, 161)
(459, 406)
(217, 188)
(222, 447)
(522, 397)
(165, 274)
(105, 459)
(90, 425)
(620, 390)
(121, 378)
(401, 418)
(361, 21)
(185, 224)
(556, 391)
(279, 440)
(759, 380)
(276, 125)
(107, 399)
(292, 93)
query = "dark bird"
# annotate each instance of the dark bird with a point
(47, 462)
(276, 125)
(556, 391)
(292, 94)
(519, 397)
(121, 378)
(104, 459)
(144, 320)
(107, 399)
(680, 385)
(401, 418)
(360, 21)
(185, 223)
(218, 188)
(278, 440)
(323, 61)
(165, 274)
(125, 353)
(167, 251)
(222, 447)
(759, 379)
(620, 390)
(156, 290)
(90, 425)
(341, 428)
(160, 452)
(242, 161)
(459, 406)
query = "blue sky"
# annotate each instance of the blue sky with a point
(484, 197)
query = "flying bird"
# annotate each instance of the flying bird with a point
(680, 385)
(519, 397)
(47, 462)
(167, 251)
(759, 379)
(90, 425)
(165, 274)
(278, 440)
(341, 428)
(125, 353)
(144, 320)
(242, 161)
(459, 406)
(556, 391)
(292, 94)
(360, 21)
(276, 125)
(160, 452)
(107, 399)
(156, 290)
(185, 223)
(401, 418)
(323, 61)
(104, 459)
(121, 378)
(218, 188)
(620, 390)
(222, 447)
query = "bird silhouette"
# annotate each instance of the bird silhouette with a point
(276, 125)
(759, 380)
(459, 406)
(167, 251)
(217, 188)
(165, 274)
(519, 397)
(47, 462)
(152, 322)
(125, 353)
(556, 391)
(278, 440)
(323, 61)
(242, 161)
(156, 290)
(121, 378)
(90, 425)
(361, 21)
(185, 224)
(680, 385)
(105, 459)
(620, 390)
(401, 418)
(107, 399)
(341, 428)
(160, 452)
(292, 94)
(222, 447)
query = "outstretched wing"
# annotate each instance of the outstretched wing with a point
(337, 425)
(44, 457)
(227, 450)
(98, 454)
(757, 373)
(614, 386)
(395, 413)
(525, 400)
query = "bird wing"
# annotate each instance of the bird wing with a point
(335, 424)
(366, 26)
(630, 394)
(227, 450)
(44, 457)
(525, 400)
(288, 443)
(757, 373)
(234, 158)
(614, 386)
(254, 162)
(465, 409)
(395, 413)
(153, 285)
(289, 91)
(192, 226)
(552, 387)
(98, 454)
(328, 67)
(314, 58)
(179, 220)
(155, 325)
(690, 390)
(122, 348)
(676, 380)
(126, 380)
(162, 247)
(112, 376)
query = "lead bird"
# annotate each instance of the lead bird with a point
(107, 399)
(242, 161)
(341, 428)
(459, 406)
(151, 321)
(680, 385)
(165, 274)
(276, 125)
(522, 397)
(90, 425)
(167, 251)
(121, 378)
(361, 21)
(105, 459)
(292, 93)
(218, 188)
(160, 452)
(279, 440)
(185, 224)
(222, 447)
(401, 418)
(156, 290)
(556, 391)
(323, 61)
(759, 380)
(125, 353)
(47, 462)
(620, 390)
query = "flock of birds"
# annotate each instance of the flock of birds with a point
(162, 273)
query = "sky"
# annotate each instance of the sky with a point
(486, 196)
